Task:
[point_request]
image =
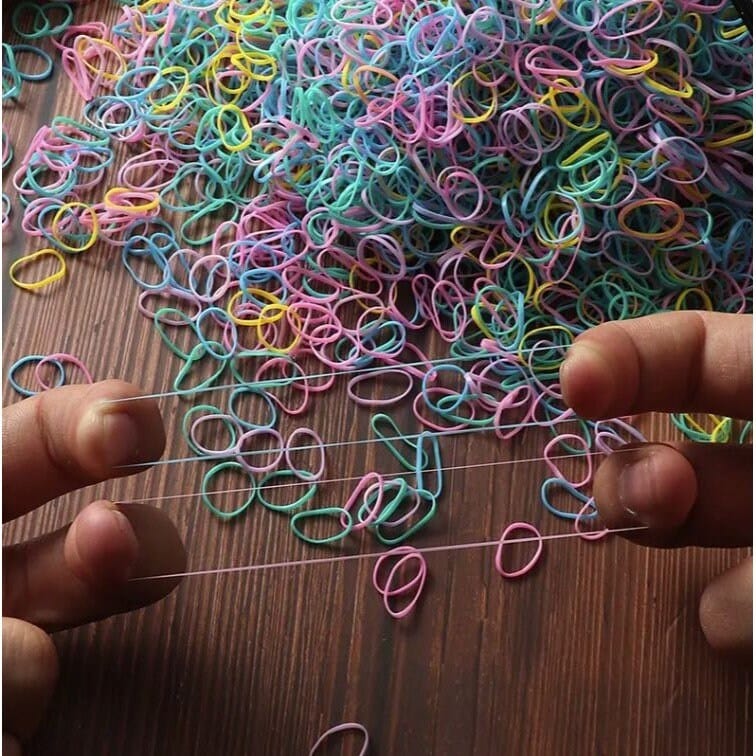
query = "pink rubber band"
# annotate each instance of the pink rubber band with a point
(413, 586)
(502, 541)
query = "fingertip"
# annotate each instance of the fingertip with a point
(117, 428)
(101, 547)
(161, 552)
(587, 380)
(725, 610)
(30, 673)
(649, 484)
(11, 746)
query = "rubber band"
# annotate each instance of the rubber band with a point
(421, 498)
(34, 359)
(525, 569)
(343, 515)
(337, 729)
(59, 359)
(207, 498)
(93, 227)
(344, 180)
(277, 450)
(594, 535)
(317, 444)
(22, 262)
(299, 502)
(404, 555)
(214, 414)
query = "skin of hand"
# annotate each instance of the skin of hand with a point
(61, 440)
(687, 494)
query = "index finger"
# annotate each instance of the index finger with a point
(671, 362)
(71, 437)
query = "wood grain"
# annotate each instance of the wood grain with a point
(598, 652)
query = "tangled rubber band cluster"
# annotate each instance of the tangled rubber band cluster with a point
(316, 183)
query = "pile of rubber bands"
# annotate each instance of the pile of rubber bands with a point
(291, 181)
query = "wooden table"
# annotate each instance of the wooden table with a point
(597, 652)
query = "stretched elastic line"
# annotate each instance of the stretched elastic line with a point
(351, 478)
(284, 381)
(371, 555)
(356, 442)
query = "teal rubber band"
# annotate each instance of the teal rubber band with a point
(197, 355)
(435, 466)
(679, 421)
(339, 512)
(42, 75)
(421, 523)
(210, 474)
(407, 463)
(44, 29)
(388, 508)
(248, 424)
(572, 491)
(166, 339)
(99, 138)
(210, 410)
(278, 474)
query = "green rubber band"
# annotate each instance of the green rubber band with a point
(210, 474)
(210, 410)
(166, 339)
(277, 474)
(408, 464)
(323, 512)
(421, 523)
(197, 355)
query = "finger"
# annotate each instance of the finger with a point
(726, 609)
(673, 362)
(11, 746)
(71, 437)
(687, 494)
(30, 671)
(81, 573)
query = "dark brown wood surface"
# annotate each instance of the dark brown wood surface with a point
(597, 652)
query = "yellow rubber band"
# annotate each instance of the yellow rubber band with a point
(361, 93)
(543, 329)
(80, 48)
(705, 299)
(241, 119)
(297, 332)
(93, 234)
(26, 259)
(143, 207)
(684, 93)
(165, 106)
(483, 116)
(591, 118)
(734, 32)
(478, 320)
(273, 302)
(602, 136)
(636, 70)
(732, 139)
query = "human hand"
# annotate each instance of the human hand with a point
(53, 443)
(687, 494)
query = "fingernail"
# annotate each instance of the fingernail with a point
(105, 543)
(114, 436)
(636, 489)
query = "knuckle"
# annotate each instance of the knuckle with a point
(61, 452)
